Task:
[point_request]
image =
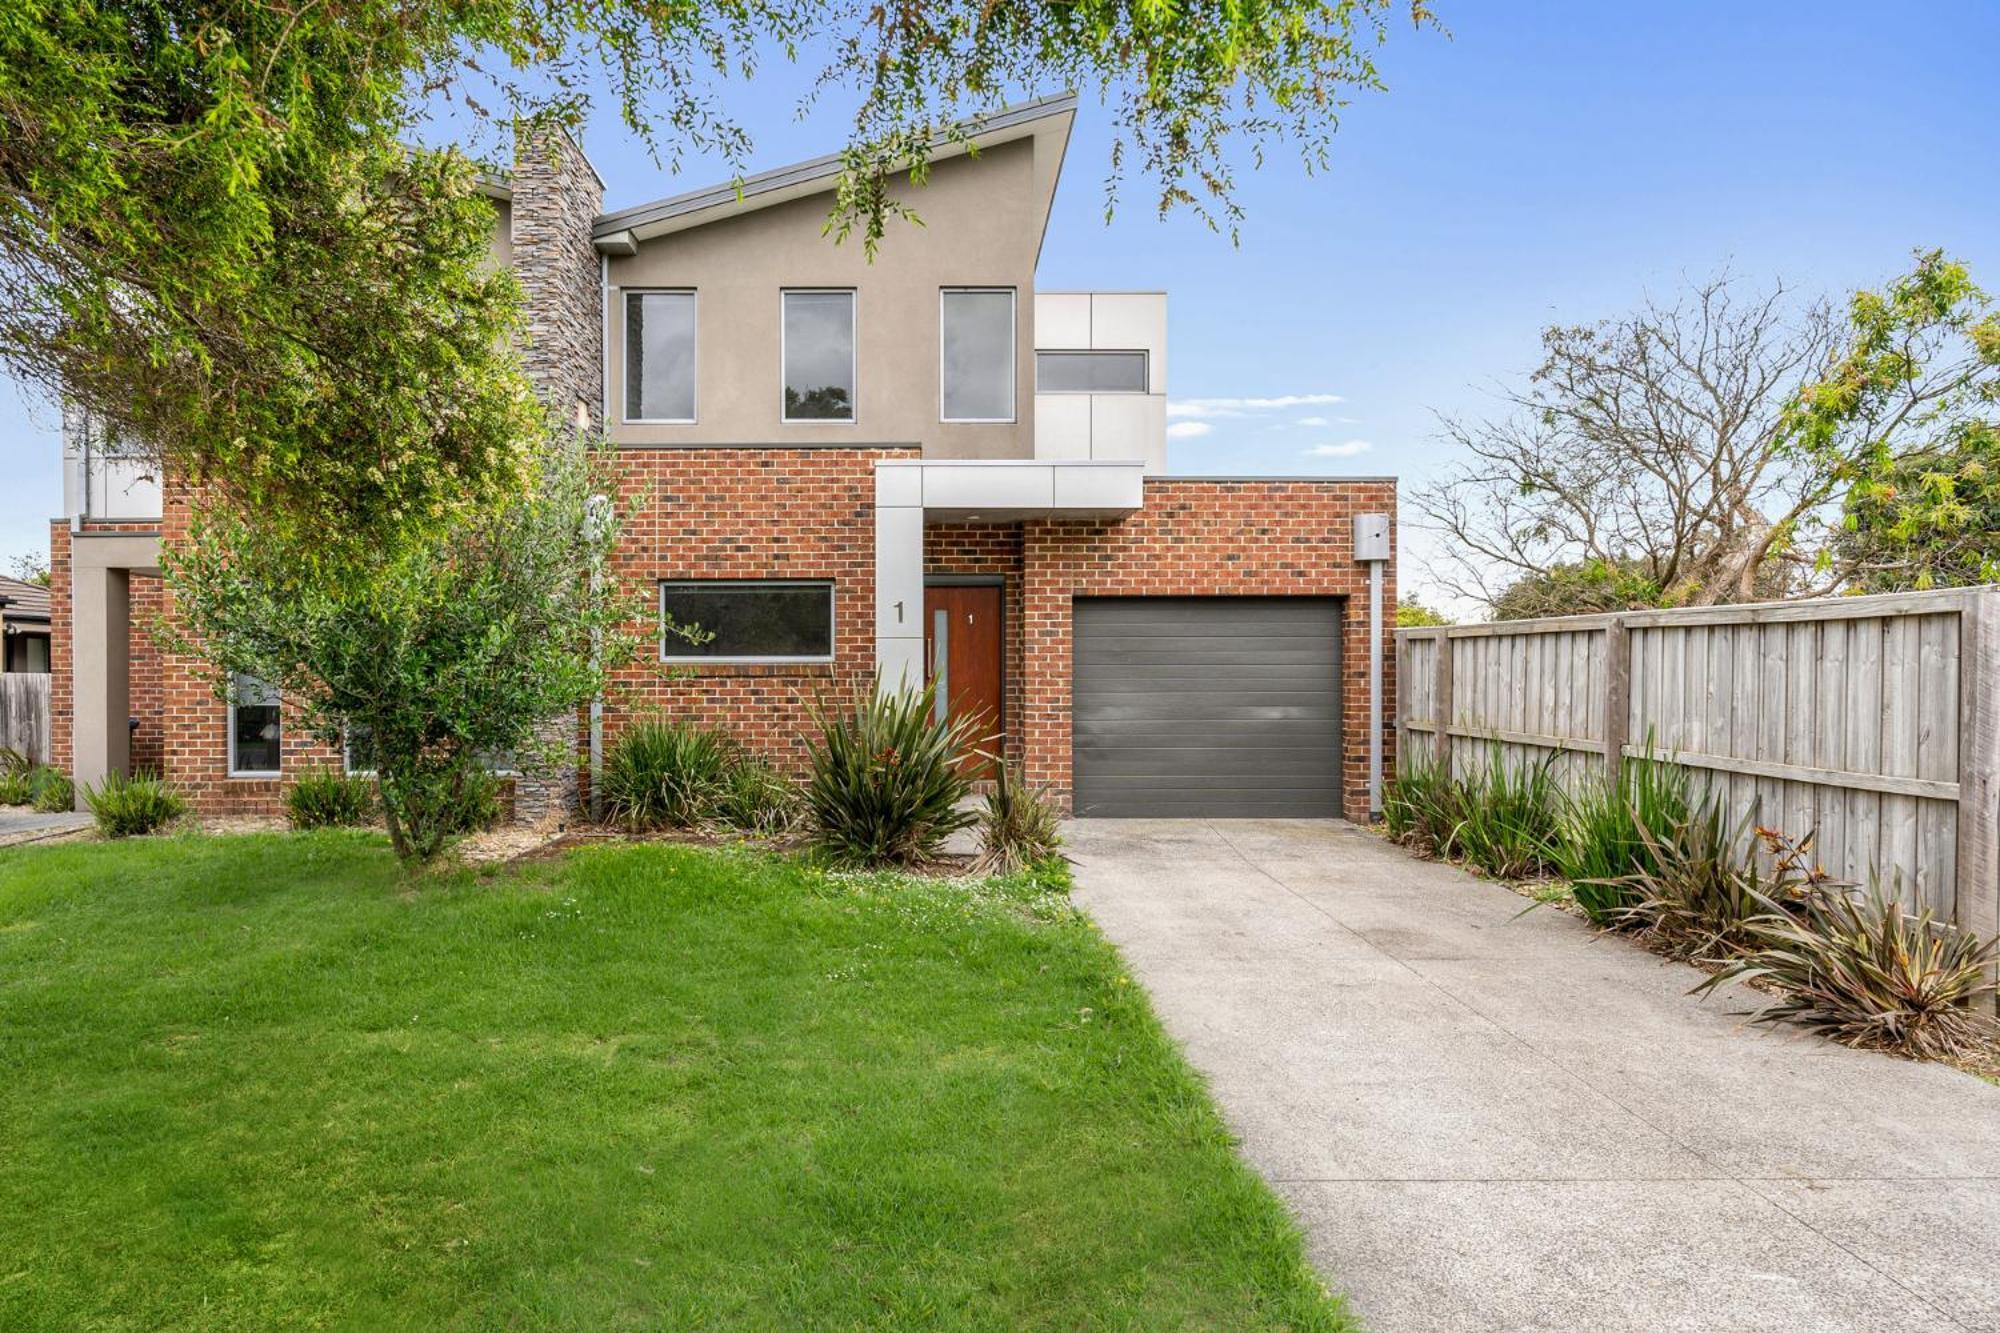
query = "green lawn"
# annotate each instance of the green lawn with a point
(262, 1082)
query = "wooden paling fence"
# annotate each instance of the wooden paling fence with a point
(1872, 721)
(24, 713)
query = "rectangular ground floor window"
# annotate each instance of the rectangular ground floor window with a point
(255, 728)
(762, 620)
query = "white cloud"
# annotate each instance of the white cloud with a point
(1243, 407)
(1312, 421)
(1188, 430)
(1345, 449)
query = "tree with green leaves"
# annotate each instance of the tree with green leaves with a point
(1904, 427)
(447, 652)
(213, 238)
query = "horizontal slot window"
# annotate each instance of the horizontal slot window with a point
(1090, 372)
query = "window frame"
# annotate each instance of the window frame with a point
(625, 346)
(853, 417)
(697, 659)
(229, 735)
(1145, 355)
(1013, 357)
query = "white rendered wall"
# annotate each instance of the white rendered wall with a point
(1106, 427)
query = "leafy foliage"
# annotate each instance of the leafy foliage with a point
(1413, 614)
(328, 798)
(443, 651)
(1423, 806)
(886, 783)
(757, 798)
(1586, 587)
(1019, 825)
(667, 774)
(1511, 821)
(213, 238)
(131, 807)
(1610, 830)
(1701, 885)
(15, 788)
(50, 791)
(1861, 969)
(1907, 420)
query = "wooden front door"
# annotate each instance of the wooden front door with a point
(962, 635)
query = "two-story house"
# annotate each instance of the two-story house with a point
(917, 468)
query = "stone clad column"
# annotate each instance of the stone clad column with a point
(557, 198)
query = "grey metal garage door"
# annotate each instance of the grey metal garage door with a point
(1221, 706)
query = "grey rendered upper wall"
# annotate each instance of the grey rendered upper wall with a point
(982, 227)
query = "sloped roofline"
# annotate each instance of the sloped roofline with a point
(619, 232)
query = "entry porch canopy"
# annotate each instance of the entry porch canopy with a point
(912, 492)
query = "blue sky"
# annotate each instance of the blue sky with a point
(1545, 162)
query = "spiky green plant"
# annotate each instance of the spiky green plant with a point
(886, 782)
(50, 791)
(126, 807)
(1603, 844)
(757, 798)
(1019, 825)
(1861, 969)
(666, 774)
(15, 789)
(14, 763)
(1510, 825)
(1423, 805)
(328, 798)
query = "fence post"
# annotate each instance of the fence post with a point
(1617, 694)
(1441, 700)
(1976, 902)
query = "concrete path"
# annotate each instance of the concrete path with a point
(20, 824)
(1487, 1121)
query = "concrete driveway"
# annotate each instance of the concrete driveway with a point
(1490, 1121)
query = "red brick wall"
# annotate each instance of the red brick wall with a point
(62, 703)
(751, 514)
(147, 680)
(1201, 539)
(990, 548)
(194, 723)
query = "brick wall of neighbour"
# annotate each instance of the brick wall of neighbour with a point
(62, 684)
(146, 679)
(750, 514)
(990, 548)
(1198, 539)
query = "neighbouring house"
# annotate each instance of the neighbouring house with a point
(917, 468)
(24, 626)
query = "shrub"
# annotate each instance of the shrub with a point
(886, 784)
(1510, 825)
(15, 789)
(13, 763)
(757, 798)
(328, 798)
(129, 807)
(663, 774)
(1603, 846)
(430, 805)
(1019, 827)
(1860, 969)
(50, 791)
(1423, 805)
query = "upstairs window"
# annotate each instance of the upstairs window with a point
(659, 356)
(768, 620)
(1090, 372)
(976, 354)
(255, 728)
(819, 356)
